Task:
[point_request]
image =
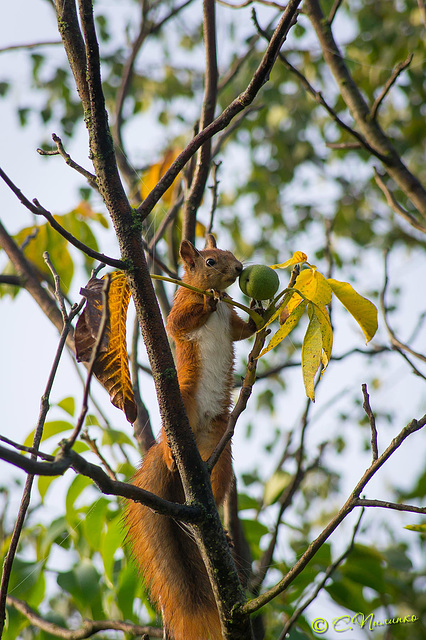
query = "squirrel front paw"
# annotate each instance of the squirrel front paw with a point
(211, 302)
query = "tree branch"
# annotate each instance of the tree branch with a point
(396, 343)
(372, 420)
(26, 496)
(318, 97)
(36, 208)
(142, 427)
(69, 161)
(93, 357)
(360, 111)
(29, 45)
(350, 504)
(329, 571)
(202, 169)
(88, 628)
(394, 204)
(363, 502)
(69, 459)
(240, 103)
(400, 67)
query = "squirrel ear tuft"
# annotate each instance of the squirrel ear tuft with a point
(210, 241)
(188, 253)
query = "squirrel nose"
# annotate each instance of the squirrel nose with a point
(238, 267)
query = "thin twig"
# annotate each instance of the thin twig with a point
(36, 208)
(240, 103)
(21, 447)
(68, 459)
(400, 67)
(247, 3)
(317, 95)
(69, 161)
(334, 9)
(329, 571)
(168, 218)
(394, 204)
(396, 343)
(88, 628)
(352, 502)
(363, 502)
(372, 420)
(347, 146)
(94, 447)
(214, 190)
(93, 357)
(198, 184)
(285, 501)
(31, 45)
(360, 110)
(26, 496)
(58, 293)
(142, 426)
(416, 371)
(293, 363)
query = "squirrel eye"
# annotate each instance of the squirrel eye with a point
(210, 262)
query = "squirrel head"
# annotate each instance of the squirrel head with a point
(211, 268)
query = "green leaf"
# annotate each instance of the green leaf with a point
(254, 531)
(348, 594)
(57, 532)
(112, 541)
(50, 429)
(83, 584)
(68, 405)
(114, 436)
(94, 524)
(364, 311)
(247, 502)
(365, 566)
(130, 585)
(76, 488)
(27, 581)
(275, 486)
(43, 484)
(311, 355)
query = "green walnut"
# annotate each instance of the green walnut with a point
(259, 282)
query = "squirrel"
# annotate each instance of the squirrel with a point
(203, 329)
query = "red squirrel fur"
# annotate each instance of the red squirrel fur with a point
(203, 329)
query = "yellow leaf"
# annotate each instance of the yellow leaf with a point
(156, 171)
(283, 304)
(364, 311)
(311, 284)
(111, 366)
(286, 328)
(311, 355)
(200, 229)
(297, 258)
(326, 334)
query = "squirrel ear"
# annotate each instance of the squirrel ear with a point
(188, 253)
(210, 241)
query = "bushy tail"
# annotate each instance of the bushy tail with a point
(169, 559)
